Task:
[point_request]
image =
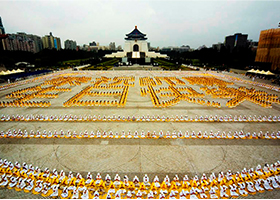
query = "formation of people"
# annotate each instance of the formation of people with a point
(71, 80)
(77, 100)
(24, 96)
(172, 91)
(238, 95)
(176, 89)
(143, 118)
(255, 83)
(55, 184)
(140, 135)
(207, 81)
(32, 80)
(45, 90)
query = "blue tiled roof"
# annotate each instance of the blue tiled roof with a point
(135, 35)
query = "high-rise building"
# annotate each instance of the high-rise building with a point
(252, 44)
(112, 46)
(51, 42)
(38, 43)
(2, 36)
(70, 44)
(2, 30)
(23, 42)
(19, 41)
(236, 41)
(184, 48)
(269, 48)
(218, 46)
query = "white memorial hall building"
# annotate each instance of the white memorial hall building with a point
(136, 49)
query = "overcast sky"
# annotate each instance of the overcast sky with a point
(166, 23)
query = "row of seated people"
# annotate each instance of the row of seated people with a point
(38, 95)
(149, 134)
(143, 118)
(108, 93)
(204, 102)
(16, 103)
(56, 184)
(95, 103)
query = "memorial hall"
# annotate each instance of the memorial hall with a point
(136, 49)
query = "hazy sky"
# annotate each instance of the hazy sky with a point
(166, 23)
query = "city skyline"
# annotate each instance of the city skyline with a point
(166, 23)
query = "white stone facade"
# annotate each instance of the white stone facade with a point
(142, 44)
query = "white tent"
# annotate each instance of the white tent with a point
(260, 72)
(19, 70)
(269, 73)
(251, 70)
(257, 71)
(11, 72)
(2, 73)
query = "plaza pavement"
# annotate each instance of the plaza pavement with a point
(140, 156)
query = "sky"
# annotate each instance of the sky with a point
(166, 23)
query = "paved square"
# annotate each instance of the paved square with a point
(96, 94)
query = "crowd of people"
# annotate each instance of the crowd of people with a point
(241, 94)
(23, 97)
(207, 81)
(77, 100)
(172, 91)
(55, 184)
(236, 95)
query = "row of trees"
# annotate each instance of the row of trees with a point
(50, 57)
(211, 57)
(224, 58)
